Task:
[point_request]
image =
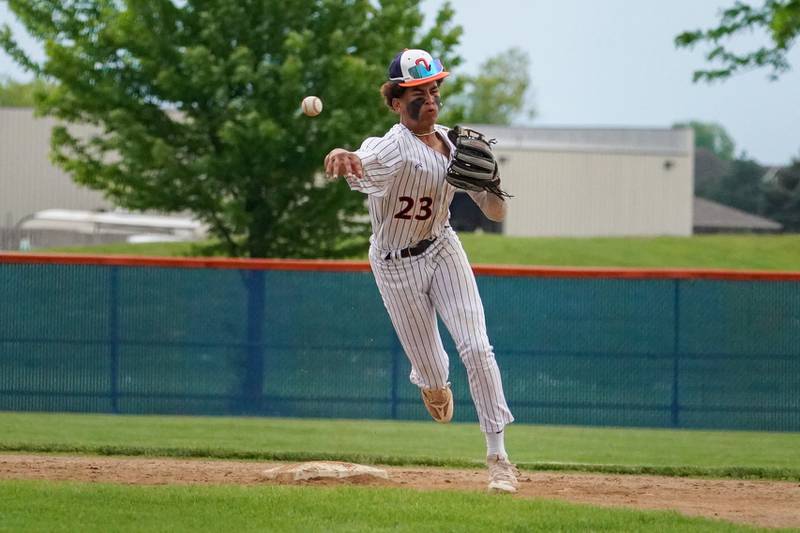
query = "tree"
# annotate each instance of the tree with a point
(20, 94)
(196, 105)
(494, 96)
(741, 187)
(711, 136)
(780, 19)
(782, 197)
(709, 171)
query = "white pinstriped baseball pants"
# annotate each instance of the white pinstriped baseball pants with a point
(440, 280)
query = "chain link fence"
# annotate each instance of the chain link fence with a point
(652, 351)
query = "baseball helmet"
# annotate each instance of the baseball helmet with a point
(414, 67)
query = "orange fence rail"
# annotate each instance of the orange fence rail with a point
(324, 265)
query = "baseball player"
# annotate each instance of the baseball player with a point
(419, 264)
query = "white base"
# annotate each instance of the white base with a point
(322, 469)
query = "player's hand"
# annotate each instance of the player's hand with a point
(340, 162)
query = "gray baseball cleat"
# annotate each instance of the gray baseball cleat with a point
(439, 403)
(502, 475)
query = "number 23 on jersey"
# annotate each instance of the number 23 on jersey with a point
(423, 211)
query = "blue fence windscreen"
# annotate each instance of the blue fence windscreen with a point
(590, 351)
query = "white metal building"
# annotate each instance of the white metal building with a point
(596, 181)
(565, 181)
(29, 181)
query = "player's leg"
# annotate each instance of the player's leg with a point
(456, 298)
(403, 285)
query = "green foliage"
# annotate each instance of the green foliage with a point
(21, 94)
(743, 183)
(196, 106)
(779, 19)
(740, 187)
(496, 95)
(781, 197)
(711, 136)
(746, 185)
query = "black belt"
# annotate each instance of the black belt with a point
(417, 249)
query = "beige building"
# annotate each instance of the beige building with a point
(565, 181)
(29, 181)
(65, 214)
(580, 182)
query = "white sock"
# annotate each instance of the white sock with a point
(495, 443)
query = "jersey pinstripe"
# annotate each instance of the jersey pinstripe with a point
(441, 281)
(409, 201)
(409, 197)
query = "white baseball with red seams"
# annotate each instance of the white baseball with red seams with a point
(311, 106)
(409, 201)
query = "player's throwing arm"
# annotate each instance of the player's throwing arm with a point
(340, 162)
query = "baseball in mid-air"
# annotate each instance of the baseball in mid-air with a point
(312, 106)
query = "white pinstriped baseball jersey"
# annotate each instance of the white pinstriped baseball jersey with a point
(409, 198)
(409, 201)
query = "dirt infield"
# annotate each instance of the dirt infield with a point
(761, 503)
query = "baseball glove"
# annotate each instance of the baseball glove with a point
(473, 167)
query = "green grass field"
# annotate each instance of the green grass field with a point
(669, 452)
(48, 506)
(42, 506)
(756, 252)
(69, 506)
(781, 252)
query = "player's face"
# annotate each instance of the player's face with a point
(421, 103)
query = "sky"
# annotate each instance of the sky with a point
(611, 63)
(614, 63)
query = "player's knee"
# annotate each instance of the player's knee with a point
(476, 353)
